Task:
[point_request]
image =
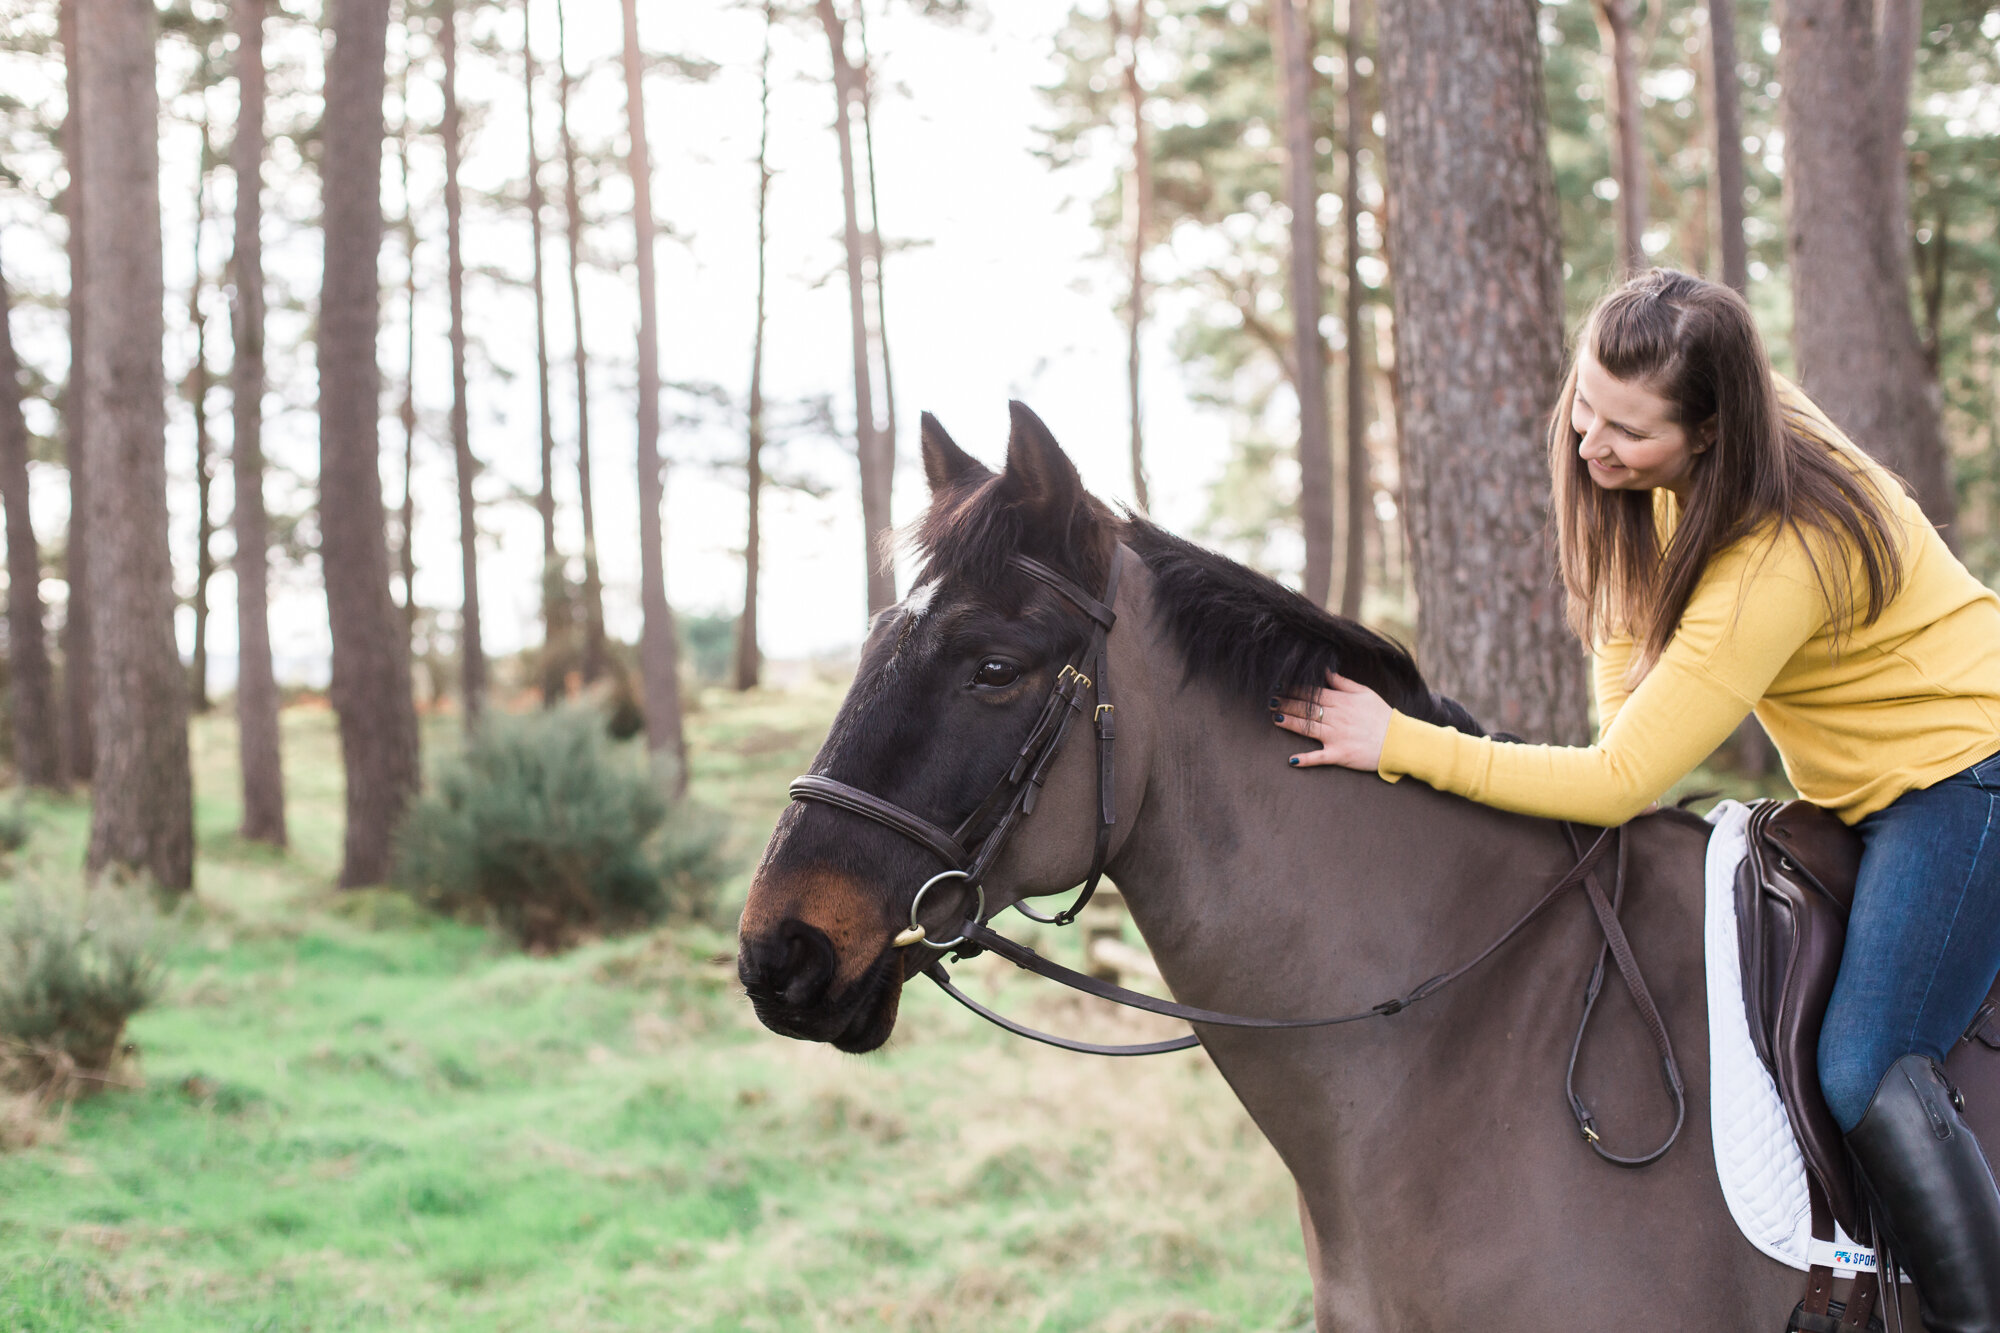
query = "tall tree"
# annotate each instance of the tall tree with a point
(406, 517)
(1354, 558)
(555, 591)
(371, 669)
(31, 687)
(471, 650)
(595, 658)
(659, 653)
(1479, 335)
(1844, 101)
(1728, 143)
(79, 742)
(877, 461)
(1131, 33)
(199, 381)
(878, 248)
(749, 661)
(256, 685)
(1291, 26)
(142, 807)
(1616, 20)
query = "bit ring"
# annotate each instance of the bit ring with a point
(916, 905)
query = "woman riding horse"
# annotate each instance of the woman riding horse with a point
(1726, 550)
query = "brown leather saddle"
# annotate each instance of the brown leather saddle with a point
(1793, 893)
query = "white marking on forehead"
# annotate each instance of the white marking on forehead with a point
(919, 600)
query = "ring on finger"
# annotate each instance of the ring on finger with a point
(1319, 714)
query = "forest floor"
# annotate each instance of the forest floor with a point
(355, 1116)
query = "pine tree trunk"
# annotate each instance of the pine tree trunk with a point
(1847, 240)
(471, 649)
(749, 661)
(406, 413)
(79, 742)
(198, 383)
(659, 653)
(371, 669)
(1290, 29)
(1354, 560)
(1615, 21)
(256, 686)
(31, 687)
(142, 808)
(877, 247)
(1139, 213)
(1728, 143)
(876, 469)
(594, 656)
(555, 592)
(1479, 336)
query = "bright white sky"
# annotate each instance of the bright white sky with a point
(1004, 294)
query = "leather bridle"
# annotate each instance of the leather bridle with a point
(970, 849)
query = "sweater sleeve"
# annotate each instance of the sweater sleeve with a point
(1608, 668)
(1756, 606)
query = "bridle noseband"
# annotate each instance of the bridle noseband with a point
(970, 850)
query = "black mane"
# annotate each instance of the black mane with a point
(1254, 636)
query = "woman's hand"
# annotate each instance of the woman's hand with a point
(1350, 722)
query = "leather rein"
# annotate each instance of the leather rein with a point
(970, 849)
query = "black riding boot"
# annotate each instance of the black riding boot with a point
(1934, 1195)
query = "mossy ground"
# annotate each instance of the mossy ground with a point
(354, 1116)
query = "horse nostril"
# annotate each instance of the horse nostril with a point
(808, 967)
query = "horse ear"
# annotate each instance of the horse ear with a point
(1039, 473)
(945, 464)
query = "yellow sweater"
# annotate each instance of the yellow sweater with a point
(1887, 708)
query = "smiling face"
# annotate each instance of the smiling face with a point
(1628, 435)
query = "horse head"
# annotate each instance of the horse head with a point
(952, 682)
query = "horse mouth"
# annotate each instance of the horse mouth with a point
(861, 1022)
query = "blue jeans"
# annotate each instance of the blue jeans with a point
(1923, 943)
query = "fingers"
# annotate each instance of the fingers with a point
(1314, 759)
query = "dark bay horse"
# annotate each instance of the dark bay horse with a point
(1442, 1184)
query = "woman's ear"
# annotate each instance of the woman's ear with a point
(1704, 436)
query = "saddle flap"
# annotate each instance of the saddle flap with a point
(1973, 1066)
(1791, 901)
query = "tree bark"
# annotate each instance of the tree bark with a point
(1728, 143)
(256, 685)
(1479, 335)
(471, 650)
(594, 656)
(31, 688)
(555, 594)
(1289, 33)
(1139, 213)
(749, 661)
(79, 742)
(877, 246)
(1847, 240)
(371, 669)
(406, 515)
(876, 468)
(1355, 555)
(659, 653)
(142, 808)
(198, 383)
(1616, 21)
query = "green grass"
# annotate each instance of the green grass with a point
(358, 1117)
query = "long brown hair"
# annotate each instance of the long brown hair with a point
(1694, 344)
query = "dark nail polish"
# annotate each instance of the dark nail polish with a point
(1272, 702)
(1277, 717)
(1293, 761)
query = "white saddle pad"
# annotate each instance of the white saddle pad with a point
(1763, 1175)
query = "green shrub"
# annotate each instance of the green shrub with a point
(73, 969)
(15, 826)
(548, 830)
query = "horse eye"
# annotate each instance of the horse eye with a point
(996, 673)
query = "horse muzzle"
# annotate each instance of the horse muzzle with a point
(817, 959)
